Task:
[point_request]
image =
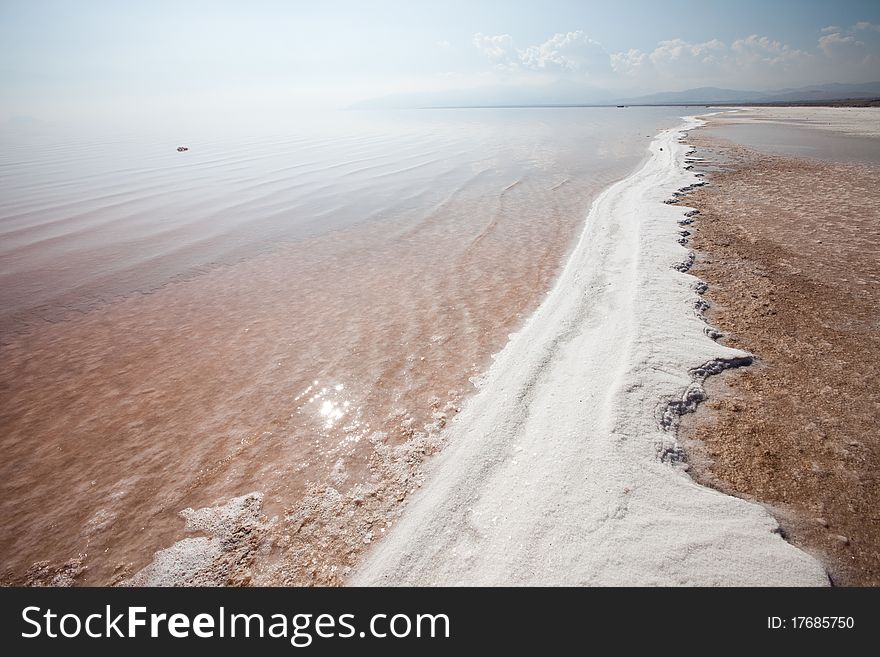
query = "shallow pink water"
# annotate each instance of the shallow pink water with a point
(178, 329)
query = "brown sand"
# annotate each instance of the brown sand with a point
(790, 249)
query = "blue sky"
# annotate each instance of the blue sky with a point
(93, 56)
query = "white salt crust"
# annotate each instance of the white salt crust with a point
(562, 469)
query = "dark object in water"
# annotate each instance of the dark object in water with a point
(181, 149)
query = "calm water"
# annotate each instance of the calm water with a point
(257, 312)
(801, 141)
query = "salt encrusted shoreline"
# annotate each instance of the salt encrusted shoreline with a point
(788, 245)
(670, 411)
(605, 502)
(561, 469)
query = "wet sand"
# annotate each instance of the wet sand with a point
(789, 248)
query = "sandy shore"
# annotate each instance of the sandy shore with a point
(563, 468)
(789, 248)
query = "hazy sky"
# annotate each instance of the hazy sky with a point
(100, 56)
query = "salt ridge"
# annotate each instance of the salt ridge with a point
(561, 469)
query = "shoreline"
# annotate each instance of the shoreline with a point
(316, 374)
(330, 528)
(563, 468)
(787, 245)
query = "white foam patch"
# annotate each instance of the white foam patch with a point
(189, 560)
(556, 471)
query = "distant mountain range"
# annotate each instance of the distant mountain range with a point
(567, 93)
(558, 93)
(713, 95)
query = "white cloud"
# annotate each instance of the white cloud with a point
(571, 51)
(759, 52)
(853, 52)
(750, 62)
(746, 62)
(630, 63)
(834, 43)
(865, 25)
(754, 61)
(676, 51)
(497, 48)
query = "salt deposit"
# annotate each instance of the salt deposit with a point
(563, 469)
